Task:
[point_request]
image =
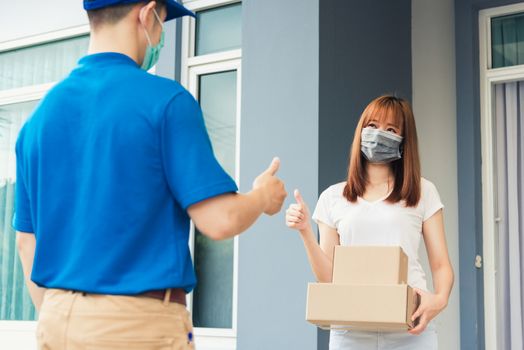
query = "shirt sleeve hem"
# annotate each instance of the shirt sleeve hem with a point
(23, 226)
(432, 212)
(208, 192)
(325, 222)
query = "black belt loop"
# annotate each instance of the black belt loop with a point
(77, 291)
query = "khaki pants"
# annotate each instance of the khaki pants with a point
(74, 321)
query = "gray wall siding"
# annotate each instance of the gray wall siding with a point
(279, 118)
(365, 51)
(434, 105)
(469, 168)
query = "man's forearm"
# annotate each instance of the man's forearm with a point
(243, 211)
(26, 249)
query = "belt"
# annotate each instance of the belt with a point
(174, 295)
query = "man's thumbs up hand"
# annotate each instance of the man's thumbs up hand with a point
(272, 188)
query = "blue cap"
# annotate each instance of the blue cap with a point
(174, 9)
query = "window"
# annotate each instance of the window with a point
(39, 64)
(211, 71)
(507, 40)
(218, 29)
(28, 69)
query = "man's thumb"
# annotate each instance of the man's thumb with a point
(273, 167)
(299, 198)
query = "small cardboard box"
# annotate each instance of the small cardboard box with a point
(365, 307)
(370, 265)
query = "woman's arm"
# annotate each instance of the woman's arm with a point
(442, 272)
(320, 256)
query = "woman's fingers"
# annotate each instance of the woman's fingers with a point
(421, 307)
(420, 327)
(298, 207)
(294, 219)
(418, 312)
(295, 212)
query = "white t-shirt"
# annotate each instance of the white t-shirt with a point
(380, 223)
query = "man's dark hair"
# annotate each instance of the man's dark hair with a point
(113, 14)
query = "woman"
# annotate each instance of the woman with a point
(383, 202)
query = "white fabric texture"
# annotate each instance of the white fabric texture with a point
(380, 223)
(358, 340)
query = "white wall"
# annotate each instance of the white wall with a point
(434, 103)
(24, 18)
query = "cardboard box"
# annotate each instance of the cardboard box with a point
(370, 265)
(364, 307)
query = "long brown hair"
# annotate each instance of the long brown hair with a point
(405, 170)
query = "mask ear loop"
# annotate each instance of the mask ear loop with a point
(145, 30)
(158, 18)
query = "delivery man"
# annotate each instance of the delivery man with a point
(111, 167)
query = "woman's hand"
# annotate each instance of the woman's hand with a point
(430, 306)
(297, 215)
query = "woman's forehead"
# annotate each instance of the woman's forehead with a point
(386, 115)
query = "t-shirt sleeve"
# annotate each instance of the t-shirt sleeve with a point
(22, 218)
(192, 171)
(431, 198)
(322, 211)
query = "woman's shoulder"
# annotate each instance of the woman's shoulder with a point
(428, 191)
(334, 191)
(426, 185)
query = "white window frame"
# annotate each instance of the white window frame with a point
(191, 68)
(21, 334)
(488, 78)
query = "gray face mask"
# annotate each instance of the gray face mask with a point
(380, 146)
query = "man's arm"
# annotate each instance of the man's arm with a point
(228, 215)
(26, 244)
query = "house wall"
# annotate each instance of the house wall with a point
(279, 118)
(434, 105)
(365, 51)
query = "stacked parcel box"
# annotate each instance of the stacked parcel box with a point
(369, 291)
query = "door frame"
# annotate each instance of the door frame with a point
(488, 78)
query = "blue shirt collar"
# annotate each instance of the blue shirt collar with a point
(107, 58)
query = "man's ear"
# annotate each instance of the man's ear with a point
(146, 15)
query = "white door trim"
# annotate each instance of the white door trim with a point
(488, 78)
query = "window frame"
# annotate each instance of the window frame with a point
(191, 68)
(488, 78)
(35, 92)
(12, 329)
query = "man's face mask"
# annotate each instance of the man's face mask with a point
(153, 52)
(380, 146)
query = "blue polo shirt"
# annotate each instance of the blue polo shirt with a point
(107, 165)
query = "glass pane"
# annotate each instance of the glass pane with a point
(213, 296)
(218, 29)
(507, 40)
(218, 100)
(15, 303)
(40, 64)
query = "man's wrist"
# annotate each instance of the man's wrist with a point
(261, 199)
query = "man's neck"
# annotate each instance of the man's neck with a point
(118, 38)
